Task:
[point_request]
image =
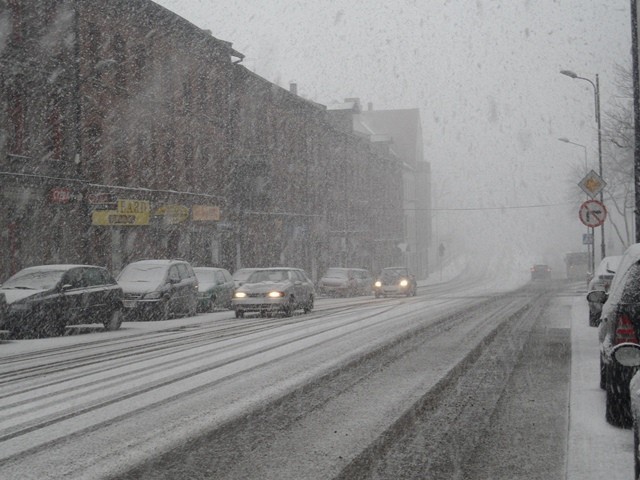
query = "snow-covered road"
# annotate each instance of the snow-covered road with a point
(96, 405)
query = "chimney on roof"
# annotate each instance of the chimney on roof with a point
(293, 88)
(370, 106)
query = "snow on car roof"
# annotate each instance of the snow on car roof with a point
(58, 266)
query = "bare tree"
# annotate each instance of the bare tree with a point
(618, 144)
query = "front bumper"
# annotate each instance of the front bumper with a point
(259, 304)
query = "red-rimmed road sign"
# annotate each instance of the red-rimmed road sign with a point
(592, 213)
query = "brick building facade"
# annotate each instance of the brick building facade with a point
(126, 132)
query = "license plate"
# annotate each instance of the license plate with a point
(129, 303)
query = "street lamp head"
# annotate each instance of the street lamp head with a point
(569, 73)
(564, 139)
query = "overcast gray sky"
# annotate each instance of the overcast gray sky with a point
(485, 75)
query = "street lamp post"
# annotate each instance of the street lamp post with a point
(596, 92)
(590, 246)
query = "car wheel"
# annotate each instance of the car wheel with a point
(309, 306)
(192, 309)
(594, 319)
(377, 295)
(239, 314)
(212, 304)
(618, 405)
(165, 309)
(114, 320)
(287, 310)
(54, 326)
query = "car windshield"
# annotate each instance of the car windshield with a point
(336, 273)
(142, 273)
(268, 276)
(205, 276)
(36, 280)
(394, 272)
(241, 275)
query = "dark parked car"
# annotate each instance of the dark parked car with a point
(275, 290)
(395, 281)
(41, 301)
(619, 325)
(159, 289)
(601, 280)
(215, 288)
(346, 282)
(540, 271)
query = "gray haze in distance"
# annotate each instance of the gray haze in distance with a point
(485, 75)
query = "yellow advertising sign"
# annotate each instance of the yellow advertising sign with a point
(115, 218)
(133, 206)
(205, 213)
(173, 213)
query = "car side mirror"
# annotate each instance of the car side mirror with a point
(597, 296)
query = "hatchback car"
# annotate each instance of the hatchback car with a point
(346, 282)
(602, 278)
(395, 281)
(159, 289)
(42, 300)
(215, 288)
(275, 290)
(619, 325)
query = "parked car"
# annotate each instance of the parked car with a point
(630, 355)
(215, 288)
(275, 290)
(42, 300)
(159, 289)
(540, 272)
(395, 281)
(619, 325)
(240, 276)
(601, 280)
(346, 282)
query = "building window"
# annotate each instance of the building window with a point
(55, 135)
(17, 116)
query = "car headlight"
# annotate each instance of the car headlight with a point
(377, 284)
(153, 295)
(403, 283)
(276, 294)
(240, 295)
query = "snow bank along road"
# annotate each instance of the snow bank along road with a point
(361, 388)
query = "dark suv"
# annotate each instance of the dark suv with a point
(41, 301)
(159, 289)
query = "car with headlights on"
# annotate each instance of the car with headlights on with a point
(215, 288)
(395, 281)
(240, 276)
(601, 280)
(43, 300)
(269, 290)
(159, 289)
(619, 326)
(345, 282)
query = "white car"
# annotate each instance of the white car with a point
(270, 290)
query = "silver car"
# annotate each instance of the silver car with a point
(269, 290)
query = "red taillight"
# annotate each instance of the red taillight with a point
(625, 331)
